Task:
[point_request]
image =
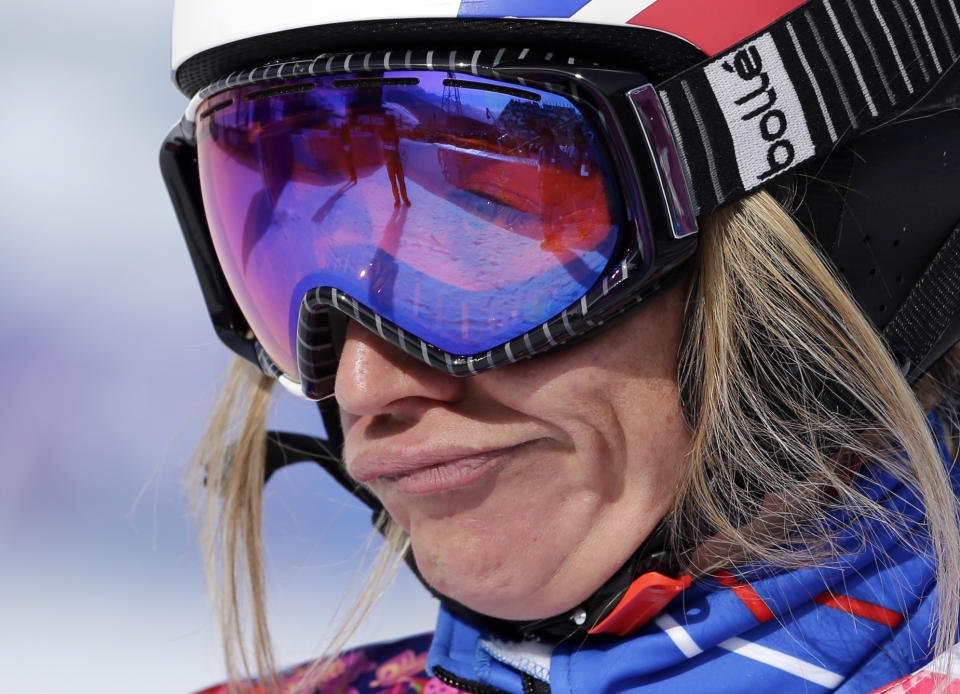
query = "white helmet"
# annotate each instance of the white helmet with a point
(214, 37)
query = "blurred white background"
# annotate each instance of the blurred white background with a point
(108, 367)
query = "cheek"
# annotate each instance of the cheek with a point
(655, 438)
(619, 404)
(624, 423)
(656, 451)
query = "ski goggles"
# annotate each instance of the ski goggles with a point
(471, 212)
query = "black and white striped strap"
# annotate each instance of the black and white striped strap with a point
(817, 77)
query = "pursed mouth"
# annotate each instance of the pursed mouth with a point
(449, 472)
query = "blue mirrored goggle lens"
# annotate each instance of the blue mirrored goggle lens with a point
(465, 210)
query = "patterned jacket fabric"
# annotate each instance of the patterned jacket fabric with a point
(396, 667)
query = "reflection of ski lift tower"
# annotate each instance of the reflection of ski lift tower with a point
(451, 103)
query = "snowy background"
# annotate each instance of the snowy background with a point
(109, 365)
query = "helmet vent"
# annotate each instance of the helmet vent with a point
(518, 93)
(280, 91)
(213, 109)
(376, 82)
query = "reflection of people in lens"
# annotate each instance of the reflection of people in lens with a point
(347, 147)
(383, 267)
(546, 182)
(391, 154)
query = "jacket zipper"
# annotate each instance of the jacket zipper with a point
(530, 684)
(466, 686)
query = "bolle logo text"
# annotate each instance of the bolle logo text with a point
(761, 100)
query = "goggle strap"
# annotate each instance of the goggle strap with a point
(926, 325)
(286, 448)
(819, 76)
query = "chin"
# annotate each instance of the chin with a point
(513, 545)
(499, 581)
(498, 594)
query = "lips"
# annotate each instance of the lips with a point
(429, 472)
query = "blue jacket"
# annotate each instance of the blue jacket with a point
(850, 627)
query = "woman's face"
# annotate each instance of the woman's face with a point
(525, 487)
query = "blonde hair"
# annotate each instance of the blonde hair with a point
(786, 387)
(793, 401)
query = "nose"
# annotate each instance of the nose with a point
(375, 377)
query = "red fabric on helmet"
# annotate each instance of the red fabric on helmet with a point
(710, 25)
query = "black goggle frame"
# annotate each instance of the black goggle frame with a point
(660, 233)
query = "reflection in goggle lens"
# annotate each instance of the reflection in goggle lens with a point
(464, 210)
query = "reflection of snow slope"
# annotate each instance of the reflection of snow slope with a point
(505, 158)
(560, 203)
(431, 262)
(437, 236)
(404, 115)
